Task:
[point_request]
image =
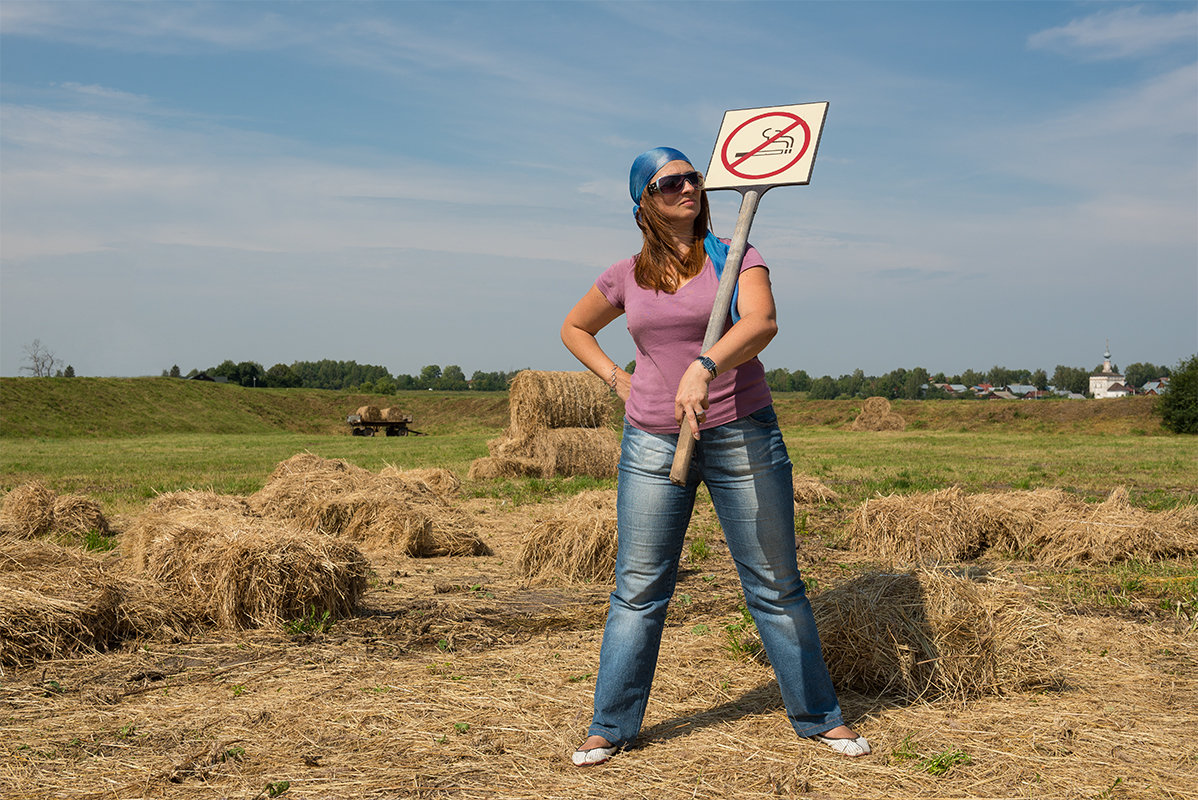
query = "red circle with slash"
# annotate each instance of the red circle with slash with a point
(792, 121)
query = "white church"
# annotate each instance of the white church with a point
(1108, 383)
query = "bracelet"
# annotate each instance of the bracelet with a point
(612, 379)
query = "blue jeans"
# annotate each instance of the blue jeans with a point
(748, 473)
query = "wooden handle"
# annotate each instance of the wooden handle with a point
(682, 456)
(719, 313)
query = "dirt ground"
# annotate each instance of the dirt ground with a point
(458, 680)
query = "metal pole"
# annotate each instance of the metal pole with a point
(719, 315)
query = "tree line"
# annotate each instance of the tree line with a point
(902, 383)
(349, 376)
(917, 383)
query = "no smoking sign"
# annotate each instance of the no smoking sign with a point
(763, 147)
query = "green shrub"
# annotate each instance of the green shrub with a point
(1178, 406)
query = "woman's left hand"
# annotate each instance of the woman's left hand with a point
(691, 401)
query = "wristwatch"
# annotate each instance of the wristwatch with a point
(708, 365)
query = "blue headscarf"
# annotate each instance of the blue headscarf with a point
(644, 167)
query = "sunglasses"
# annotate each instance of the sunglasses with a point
(672, 184)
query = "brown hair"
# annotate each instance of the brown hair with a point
(658, 266)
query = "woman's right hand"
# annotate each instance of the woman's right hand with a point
(691, 401)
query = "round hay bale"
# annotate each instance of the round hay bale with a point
(876, 406)
(75, 515)
(540, 400)
(809, 491)
(391, 414)
(910, 529)
(490, 468)
(876, 416)
(370, 413)
(574, 542)
(931, 635)
(28, 511)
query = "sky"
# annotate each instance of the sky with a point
(405, 183)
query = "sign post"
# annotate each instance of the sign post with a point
(756, 150)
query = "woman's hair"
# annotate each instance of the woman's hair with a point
(658, 265)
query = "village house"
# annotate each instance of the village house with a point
(1108, 383)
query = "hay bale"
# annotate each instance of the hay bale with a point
(239, 571)
(539, 400)
(198, 500)
(393, 509)
(566, 452)
(441, 482)
(910, 529)
(296, 480)
(1009, 520)
(391, 414)
(60, 602)
(75, 515)
(57, 602)
(809, 491)
(575, 541)
(370, 413)
(28, 511)
(876, 416)
(562, 452)
(490, 468)
(930, 635)
(1111, 531)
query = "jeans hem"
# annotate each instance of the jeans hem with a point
(814, 730)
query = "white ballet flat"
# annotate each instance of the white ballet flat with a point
(846, 747)
(593, 757)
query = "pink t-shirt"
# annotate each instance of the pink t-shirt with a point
(668, 331)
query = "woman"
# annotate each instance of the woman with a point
(667, 291)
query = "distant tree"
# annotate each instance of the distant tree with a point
(452, 379)
(1039, 379)
(1071, 379)
(823, 389)
(800, 380)
(69, 372)
(1140, 373)
(1178, 406)
(429, 376)
(913, 386)
(630, 367)
(406, 382)
(193, 372)
(779, 380)
(851, 385)
(281, 376)
(42, 362)
(174, 373)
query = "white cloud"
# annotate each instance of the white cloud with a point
(1121, 33)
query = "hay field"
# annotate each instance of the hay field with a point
(467, 677)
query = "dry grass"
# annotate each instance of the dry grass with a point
(910, 529)
(493, 467)
(573, 542)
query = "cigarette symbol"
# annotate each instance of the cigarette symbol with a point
(783, 144)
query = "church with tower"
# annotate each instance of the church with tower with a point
(1108, 383)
